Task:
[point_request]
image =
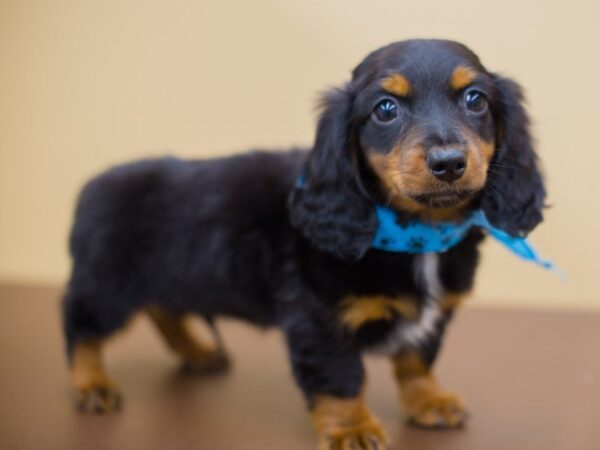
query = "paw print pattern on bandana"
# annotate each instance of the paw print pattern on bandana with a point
(417, 243)
(414, 236)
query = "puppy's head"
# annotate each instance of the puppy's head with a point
(425, 128)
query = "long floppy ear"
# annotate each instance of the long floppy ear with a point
(514, 194)
(329, 207)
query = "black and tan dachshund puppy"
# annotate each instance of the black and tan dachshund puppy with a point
(285, 238)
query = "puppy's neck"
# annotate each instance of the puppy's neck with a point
(408, 209)
(440, 215)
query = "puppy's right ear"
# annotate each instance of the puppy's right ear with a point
(329, 207)
(514, 197)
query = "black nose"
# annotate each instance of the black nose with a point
(447, 164)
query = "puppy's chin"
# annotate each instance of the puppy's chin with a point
(443, 199)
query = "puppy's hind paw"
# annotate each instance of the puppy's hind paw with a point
(99, 398)
(206, 364)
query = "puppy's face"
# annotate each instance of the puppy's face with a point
(425, 125)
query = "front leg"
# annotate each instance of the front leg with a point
(331, 375)
(425, 402)
(346, 423)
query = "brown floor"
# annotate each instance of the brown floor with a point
(532, 381)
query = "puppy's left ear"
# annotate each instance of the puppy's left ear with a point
(514, 195)
(329, 207)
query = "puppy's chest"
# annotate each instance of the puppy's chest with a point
(388, 323)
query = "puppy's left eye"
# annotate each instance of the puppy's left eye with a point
(386, 111)
(475, 101)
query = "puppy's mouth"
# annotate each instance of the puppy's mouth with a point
(443, 199)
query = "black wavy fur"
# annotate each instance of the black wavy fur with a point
(515, 193)
(331, 209)
(235, 237)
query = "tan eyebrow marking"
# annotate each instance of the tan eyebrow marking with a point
(462, 77)
(396, 84)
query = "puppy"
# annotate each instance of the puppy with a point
(286, 238)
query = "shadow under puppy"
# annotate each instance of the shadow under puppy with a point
(286, 238)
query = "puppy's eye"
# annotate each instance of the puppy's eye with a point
(385, 111)
(475, 102)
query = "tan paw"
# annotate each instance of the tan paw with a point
(99, 397)
(437, 409)
(206, 364)
(370, 437)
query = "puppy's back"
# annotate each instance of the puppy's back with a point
(173, 231)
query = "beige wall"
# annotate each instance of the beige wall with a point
(87, 84)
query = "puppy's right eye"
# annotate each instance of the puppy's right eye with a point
(475, 101)
(386, 111)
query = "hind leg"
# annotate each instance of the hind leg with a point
(88, 321)
(95, 391)
(197, 356)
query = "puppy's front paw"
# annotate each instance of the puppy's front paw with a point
(101, 396)
(434, 408)
(367, 437)
(347, 424)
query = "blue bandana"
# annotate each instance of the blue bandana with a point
(421, 237)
